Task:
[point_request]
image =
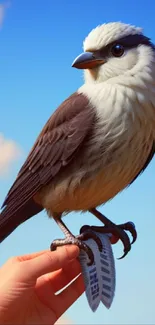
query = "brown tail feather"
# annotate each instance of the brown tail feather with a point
(9, 223)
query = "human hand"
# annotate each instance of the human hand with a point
(28, 285)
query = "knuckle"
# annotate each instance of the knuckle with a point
(66, 252)
(57, 257)
(49, 256)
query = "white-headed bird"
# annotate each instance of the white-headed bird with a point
(97, 141)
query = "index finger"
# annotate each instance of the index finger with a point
(50, 261)
(30, 256)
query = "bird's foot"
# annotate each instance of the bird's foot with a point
(117, 232)
(78, 240)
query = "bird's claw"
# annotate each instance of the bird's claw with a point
(129, 226)
(86, 233)
(119, 231)
(71, 240)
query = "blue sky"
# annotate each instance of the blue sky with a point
(38, 42)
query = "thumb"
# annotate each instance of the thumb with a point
(50, 261)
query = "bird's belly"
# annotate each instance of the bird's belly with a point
(69, 195)
(90, 193)
(87, 194)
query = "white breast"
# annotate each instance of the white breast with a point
(124, 134)
(126, 118)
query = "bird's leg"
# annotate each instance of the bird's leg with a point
(116, 230)
(76, 240)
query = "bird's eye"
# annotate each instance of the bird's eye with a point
(117, 50)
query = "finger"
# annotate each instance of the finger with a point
(66, 298)
(50, 261)
(59, 279)
(25, 257)
(30, 256)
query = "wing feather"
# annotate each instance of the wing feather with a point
(55, 147)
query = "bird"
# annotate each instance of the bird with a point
(96, 143)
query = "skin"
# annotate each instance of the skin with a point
(28, 285)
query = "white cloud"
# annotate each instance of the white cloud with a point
(3, 8)
(9, 152)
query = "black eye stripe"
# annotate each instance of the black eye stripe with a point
(128, 42)
(134, 40)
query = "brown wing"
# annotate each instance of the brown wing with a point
(55, 147)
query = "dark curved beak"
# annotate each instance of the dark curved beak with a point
(87, 60)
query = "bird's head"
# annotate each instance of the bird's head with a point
(115, 49)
